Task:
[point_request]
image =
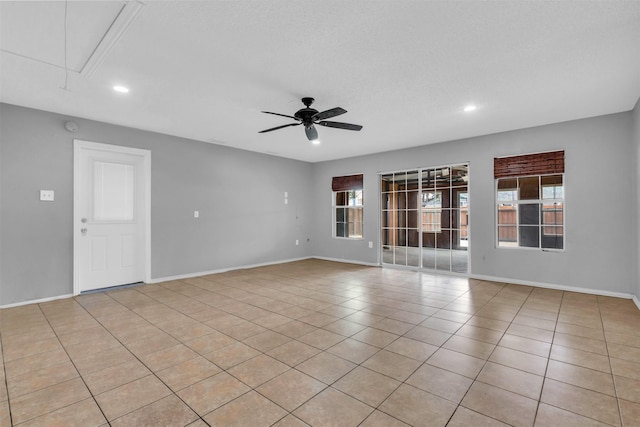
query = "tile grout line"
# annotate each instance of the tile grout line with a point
(613, 377)
(290, 367)
(439, 347)
(222, 369)
(74, 365)
(130, 352)
(583, 367)
(475, 379)
(6, 380)
(201, 417)
(546, 368)
(225, 370)
(417, 368)
(325, 350)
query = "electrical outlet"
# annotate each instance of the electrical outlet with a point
(47, 195)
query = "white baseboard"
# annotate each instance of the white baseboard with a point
(36, 301)
(601, 292)
(554, 286)
(557, 287)
(224, 270)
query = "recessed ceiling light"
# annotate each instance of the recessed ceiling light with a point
(315, 142)
(469, 108)
(121, 89)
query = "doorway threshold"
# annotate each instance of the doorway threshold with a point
(112, 288)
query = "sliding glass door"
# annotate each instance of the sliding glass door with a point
(424, 218)
(400, 213)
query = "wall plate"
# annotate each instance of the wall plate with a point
(47, 195)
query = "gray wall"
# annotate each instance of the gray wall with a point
(240, 196)
(600, 208)
(244, 221)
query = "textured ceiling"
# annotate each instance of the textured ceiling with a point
(403, 69)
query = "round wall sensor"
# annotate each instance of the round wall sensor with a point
(71, 126)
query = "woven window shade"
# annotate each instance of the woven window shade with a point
(529, 164)
(346, 183)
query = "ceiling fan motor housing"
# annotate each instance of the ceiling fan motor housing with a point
(306, 115)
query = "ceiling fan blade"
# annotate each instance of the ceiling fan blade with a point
(283, 115)
(339, 125)
(328, 114)
(280, 127)
(312, 133)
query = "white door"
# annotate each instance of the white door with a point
(111, 215)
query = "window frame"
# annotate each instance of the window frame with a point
(347, 207)
(517, 201)
(554, 209)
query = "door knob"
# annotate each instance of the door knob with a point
(83, 231)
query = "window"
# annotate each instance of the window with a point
(463, 203)
(348, 206)
(552, 209)
(113, 191)
(530, 205)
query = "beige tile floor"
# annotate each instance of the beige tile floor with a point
(322, 344)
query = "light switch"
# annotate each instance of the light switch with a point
(370, 245)
(46, 195)
(196, 214)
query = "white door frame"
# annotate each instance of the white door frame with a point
(146, 154)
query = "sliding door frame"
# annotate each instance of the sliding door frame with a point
(420, 248)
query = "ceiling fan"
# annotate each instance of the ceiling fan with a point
(309, 117)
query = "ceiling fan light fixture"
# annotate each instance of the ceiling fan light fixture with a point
(469, 108)
(121, 89)
(315, 141)
(312, 132)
